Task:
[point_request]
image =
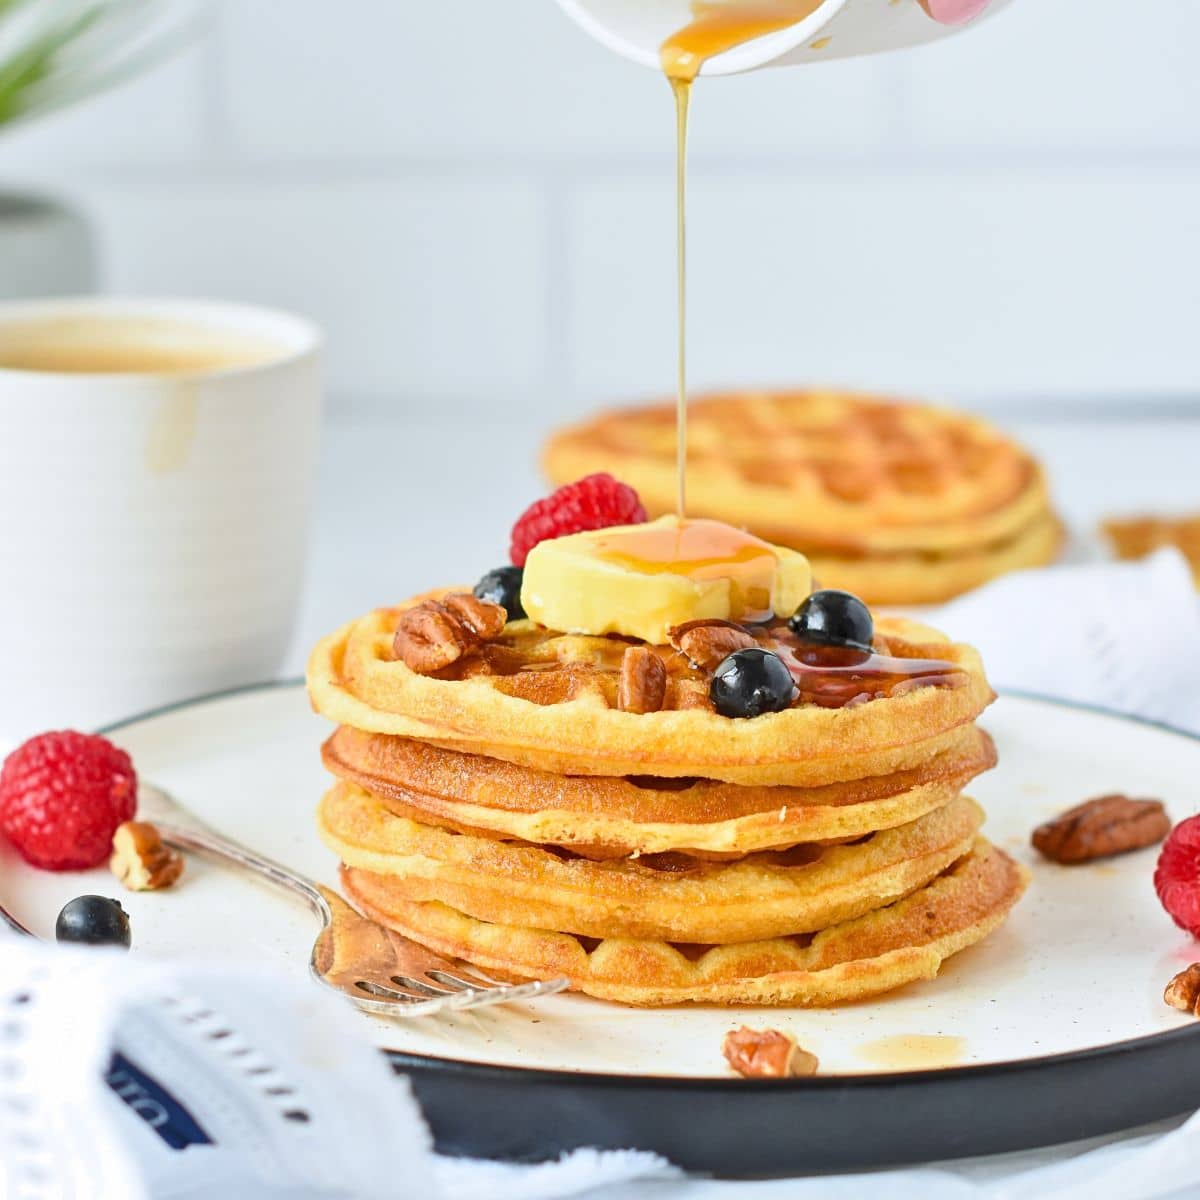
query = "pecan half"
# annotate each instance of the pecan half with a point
(141, 860)
(1183, 992)
(766, 1054)
(707, 643)
(1102, 827)
(643, 684)
(435, 634)
(483, 618)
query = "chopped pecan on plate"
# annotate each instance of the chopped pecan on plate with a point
(643, 684)
(1183, 992)
(436, 633)
(141, 860)
(766, 1054)
(1102, 827)
(708, 643)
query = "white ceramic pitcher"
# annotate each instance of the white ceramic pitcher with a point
(838, 29)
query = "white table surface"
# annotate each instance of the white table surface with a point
(405, 504)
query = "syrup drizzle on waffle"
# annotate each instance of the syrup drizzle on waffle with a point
(825, 676)
(842, 676)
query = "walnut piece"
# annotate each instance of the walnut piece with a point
(435, 633)
(141, 860)
(643, 684)
(1183, 992)
(708, 643)
(766, 1054)
(1102, 827)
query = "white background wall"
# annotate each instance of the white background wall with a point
(477, 202)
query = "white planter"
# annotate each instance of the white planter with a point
(46, 248)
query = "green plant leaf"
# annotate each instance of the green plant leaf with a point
(72, 54)
(33, 63)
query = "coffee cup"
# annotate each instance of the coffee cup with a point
(156, 476)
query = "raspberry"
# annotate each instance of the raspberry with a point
(593, 502)
(1177, 876)
(62, 796)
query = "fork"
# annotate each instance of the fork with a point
(378, 969)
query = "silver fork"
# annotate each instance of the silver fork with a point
(378, 969)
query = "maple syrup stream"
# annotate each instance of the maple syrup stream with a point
(714, 28)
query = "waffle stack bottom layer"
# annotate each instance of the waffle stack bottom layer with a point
(898, 880)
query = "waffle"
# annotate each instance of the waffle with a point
(897, 502)
(668, 896)
(605, 817)
(1135, 537)
(862, 957)
(505, 809)
(548, 701)
(904, 579)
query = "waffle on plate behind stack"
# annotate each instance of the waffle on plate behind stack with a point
(899, 503)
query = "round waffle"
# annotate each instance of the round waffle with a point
(548, 700)
(671, 897)
(611, 817)
(930, 578)
(861, 957)
(899, 502)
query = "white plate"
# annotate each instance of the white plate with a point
(1081, 963)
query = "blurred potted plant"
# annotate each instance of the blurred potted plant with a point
(54, 53)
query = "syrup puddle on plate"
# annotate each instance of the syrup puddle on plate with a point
(914, 1052)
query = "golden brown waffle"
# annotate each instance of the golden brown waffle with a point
(905, 579)
(862, 957)
(606, 817)
(898, 502)
(1135, 537)
(671, 897)
(548, 701)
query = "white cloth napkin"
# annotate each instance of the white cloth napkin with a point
(122, 1079)
(1124, 636)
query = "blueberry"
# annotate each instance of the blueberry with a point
(503, 587)
(834, 618)
(95, 920)
(751, 682)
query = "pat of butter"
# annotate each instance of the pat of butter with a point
(639, 580)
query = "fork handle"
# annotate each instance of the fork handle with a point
(205, 841)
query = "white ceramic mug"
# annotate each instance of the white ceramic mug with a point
(153, 519)
(838, 29)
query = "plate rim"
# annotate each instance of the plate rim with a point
(403, 1061)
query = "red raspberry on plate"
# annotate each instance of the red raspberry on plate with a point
(1177, 876)
(593, 502)
(62, 796)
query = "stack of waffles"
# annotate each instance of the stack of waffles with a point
(898, 503)
(522, 808)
